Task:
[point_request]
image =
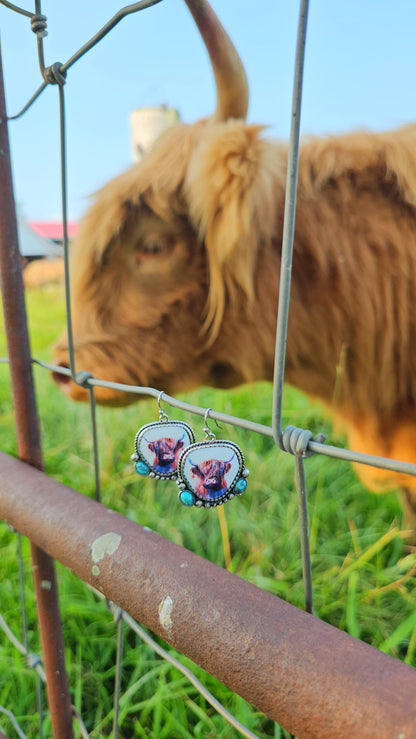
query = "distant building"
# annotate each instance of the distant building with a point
(33, 245)
(146, 124)
(53, 230)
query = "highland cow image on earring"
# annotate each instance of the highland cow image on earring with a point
(210, 473)
(158, 446)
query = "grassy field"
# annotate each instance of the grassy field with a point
(360, 562)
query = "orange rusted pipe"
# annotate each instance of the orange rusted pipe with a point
(313, 679)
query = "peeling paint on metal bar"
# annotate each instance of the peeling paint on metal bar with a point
(105, 544)
(165, 612)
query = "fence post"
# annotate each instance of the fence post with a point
(28, 435)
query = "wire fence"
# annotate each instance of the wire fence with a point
(121, 618)
(296, 441)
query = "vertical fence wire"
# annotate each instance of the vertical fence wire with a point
(288, 228)
(284, 297)
(304, 531)
(39, 699)
(22, 590)
(39, 688)
(64, 209)
(119, 619)
(94, 431)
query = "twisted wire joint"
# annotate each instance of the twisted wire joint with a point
(38, 24)
(54, 75)
(295, 441)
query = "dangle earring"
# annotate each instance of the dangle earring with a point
(159, 444)
(210, 472)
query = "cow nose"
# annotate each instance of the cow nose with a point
(61, 379)
(72, 389)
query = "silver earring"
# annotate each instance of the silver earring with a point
(211, 471)
(159, 444)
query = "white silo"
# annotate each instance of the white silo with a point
(146, 124)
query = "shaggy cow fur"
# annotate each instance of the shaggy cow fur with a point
(176, 266)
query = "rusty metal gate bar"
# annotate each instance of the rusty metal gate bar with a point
(308, 676)
(28, 434)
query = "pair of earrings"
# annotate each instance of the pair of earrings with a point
(208, 472)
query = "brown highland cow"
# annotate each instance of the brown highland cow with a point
(176, 267)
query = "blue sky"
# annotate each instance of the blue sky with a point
(360, 73)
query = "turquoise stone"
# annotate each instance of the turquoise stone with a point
(241, 486)
(141, 468)
(186, 497)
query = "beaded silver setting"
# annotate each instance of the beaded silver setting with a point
(211, 472)
(158, 446)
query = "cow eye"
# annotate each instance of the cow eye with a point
(153, 245)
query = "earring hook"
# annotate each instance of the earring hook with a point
(210, 436)
(163, 416)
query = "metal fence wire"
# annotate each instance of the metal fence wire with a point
(296, 441)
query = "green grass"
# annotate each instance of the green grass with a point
(360, 563)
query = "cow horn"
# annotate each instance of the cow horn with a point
(229, 460)
(230, 77)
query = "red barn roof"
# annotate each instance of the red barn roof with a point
(53, 229)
